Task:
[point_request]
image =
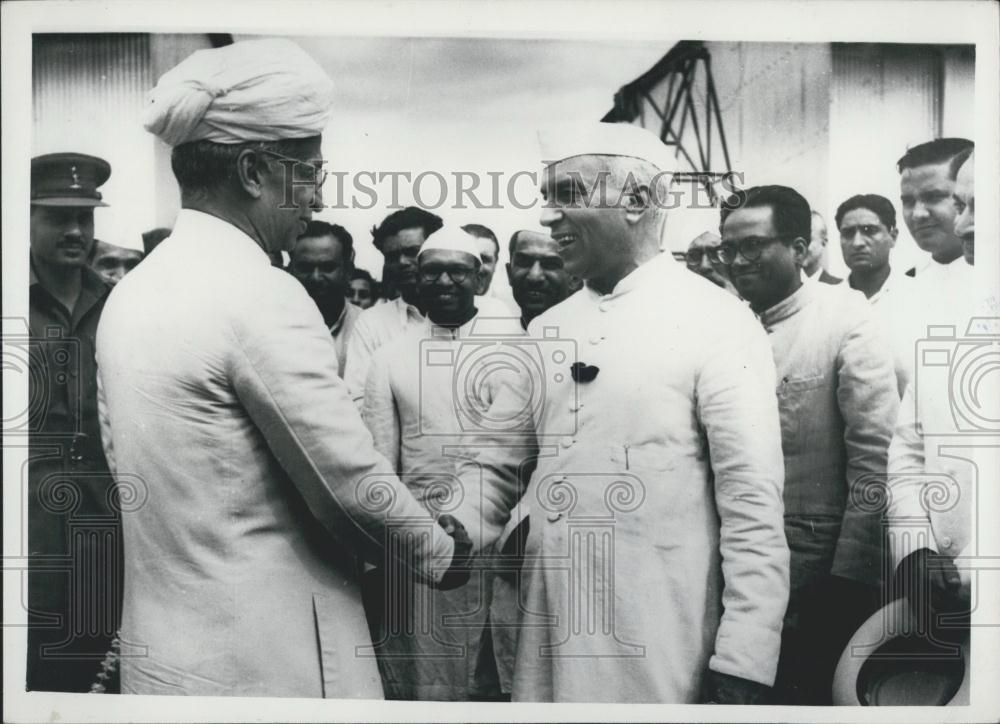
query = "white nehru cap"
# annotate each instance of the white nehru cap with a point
(604, 139)
(448, 240)
(257, 90)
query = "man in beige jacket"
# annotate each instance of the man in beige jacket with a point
(837, 400)
(248, 479)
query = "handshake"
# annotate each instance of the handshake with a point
(460, 569)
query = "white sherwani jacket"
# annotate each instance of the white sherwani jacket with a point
(656, 547)
(248, 477)
(945, 446)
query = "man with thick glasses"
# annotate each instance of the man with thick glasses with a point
(837, 400)
(399, 238)
(249, 482)
(428, 642)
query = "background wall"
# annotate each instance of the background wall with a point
(87, 95)
(828, 119)
(884, 99)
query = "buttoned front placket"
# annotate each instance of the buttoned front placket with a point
(63, 389)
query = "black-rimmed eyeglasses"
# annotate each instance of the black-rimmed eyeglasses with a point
(429, 276)
(693, 257)
(749, 248)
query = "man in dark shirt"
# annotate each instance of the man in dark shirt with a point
(73, 522)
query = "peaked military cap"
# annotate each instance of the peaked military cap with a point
(68, 179)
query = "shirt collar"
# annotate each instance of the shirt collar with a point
(460, 332)
(958, 266)
(788, 306)
(637, 277)
(92, 286)
(890, 283)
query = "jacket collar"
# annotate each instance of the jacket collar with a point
(210, 233)
(461, 332)
(789, 306)
(644, 273)
(91, 290)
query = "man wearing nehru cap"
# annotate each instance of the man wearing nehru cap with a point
(421, 411)
(656, 502)
(257, 479)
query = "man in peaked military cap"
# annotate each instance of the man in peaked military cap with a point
(72, 523)
(241, 575)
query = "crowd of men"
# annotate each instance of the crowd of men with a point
(639, 486)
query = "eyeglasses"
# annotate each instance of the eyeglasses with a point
(693, 257)
(429, 276)
(318, 174)
(869, 231)
(749, 248)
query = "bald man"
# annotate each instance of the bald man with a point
(700, 259)
(816, 253)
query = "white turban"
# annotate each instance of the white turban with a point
(446, 240)
(604, 139)
(256, 90)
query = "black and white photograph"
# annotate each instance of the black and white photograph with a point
(496, 361)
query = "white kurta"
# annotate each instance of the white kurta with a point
(248, 478)
(657, 546)
(939, 295)
(945, 443)
(373, 328)
(429, 640)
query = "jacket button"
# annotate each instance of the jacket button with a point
(553, 517)
(946, 542)
(567, 442)
(596, 340)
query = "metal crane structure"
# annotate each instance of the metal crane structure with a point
(688, 118)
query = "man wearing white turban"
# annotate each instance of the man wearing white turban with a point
(248, 479)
